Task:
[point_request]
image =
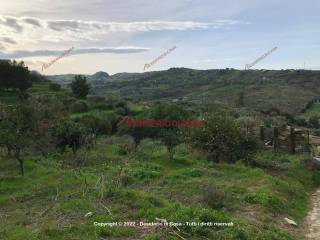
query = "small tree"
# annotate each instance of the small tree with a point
(170, 136)
(17, 125)
(49, 111)
(223, 139)
(80, 87)
(55, 87)
(69, 134)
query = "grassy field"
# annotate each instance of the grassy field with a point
(51, 203)
(10, 97)
(119, 184)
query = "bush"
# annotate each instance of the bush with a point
(126, 145)
(314, 121)
(121, 111)
(79, 107)
(95, 124)
(213, 196)
(68, 101)
(68, 134)
(97, 99)
(223, 139)
(55, 87)
(102, 106)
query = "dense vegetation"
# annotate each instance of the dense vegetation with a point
(288, 90)
(67, 161)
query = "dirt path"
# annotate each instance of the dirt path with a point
(313, 218)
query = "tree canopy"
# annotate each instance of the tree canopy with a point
(80, 87)
(14, 75)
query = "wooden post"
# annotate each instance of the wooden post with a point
(292, 140)
(275, 139)
(261, 133)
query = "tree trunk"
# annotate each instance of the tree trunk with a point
(74, 155)
(21, 163)
(170, 150)
(21, 166)
(9, 149)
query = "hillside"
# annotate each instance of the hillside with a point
(288, 90)
(151, 187)
(62, 195)
(65, 79)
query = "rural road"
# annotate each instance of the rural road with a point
(313, 218)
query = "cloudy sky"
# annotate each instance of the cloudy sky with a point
(124, 35)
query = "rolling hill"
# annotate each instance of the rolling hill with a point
(288, 90)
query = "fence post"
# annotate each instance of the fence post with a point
(275, 139)
(292, 140)
(261, 133)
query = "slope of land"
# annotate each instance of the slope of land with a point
(51, 203)
(117, 183)
(288, 90)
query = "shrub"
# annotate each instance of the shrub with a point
(223, 139)
(102, 106)
(23, 95)
(126, 145)
(95, 124)
(70, 134)
(314, 121)
(79, 107)
(55, 87)
(120, 111)
(97, 99)
(120, 104)
(68, 101)
(213, 196)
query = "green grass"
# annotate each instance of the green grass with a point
(11, 97)
(313, 111)
(151, 187)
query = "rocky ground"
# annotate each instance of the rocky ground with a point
(313, 218)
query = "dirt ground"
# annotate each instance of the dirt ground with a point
(313, 219)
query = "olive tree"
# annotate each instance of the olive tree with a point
(223, 139)
(70, 134)
(17, 125)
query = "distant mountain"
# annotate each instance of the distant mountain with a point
(63, 79)
(100, 76)
(125, 74)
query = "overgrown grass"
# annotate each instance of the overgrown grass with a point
(50, 202)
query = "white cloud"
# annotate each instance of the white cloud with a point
(43, 53)
(29, 29)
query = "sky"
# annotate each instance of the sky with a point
(123, 35)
